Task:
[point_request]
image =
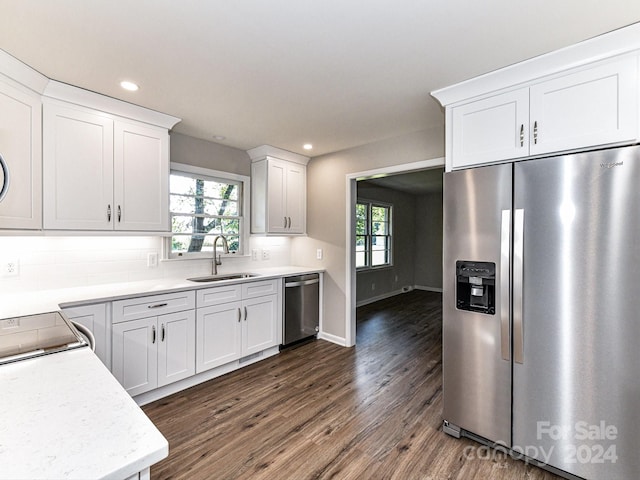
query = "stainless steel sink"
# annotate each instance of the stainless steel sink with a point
(219, 278)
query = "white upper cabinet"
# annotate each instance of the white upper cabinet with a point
(141, 172)
(21, 152)
(278, 191)
(78, 169)
(102, 172)
(594, 106)
(492, 129)
(583, 96)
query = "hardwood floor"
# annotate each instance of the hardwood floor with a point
(321, 411)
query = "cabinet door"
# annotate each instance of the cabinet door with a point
(218, 334)
(595, 106)
(176, 347)
(276, 197)
(296, 189)
(491, 130)
(141, 169)
(78, 169)
(135, 357)
(260, 324)
(94, 317)
(20, 148)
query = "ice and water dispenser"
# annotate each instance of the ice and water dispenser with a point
(476, 286)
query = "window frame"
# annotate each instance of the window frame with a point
(369, 234)
(244, 219)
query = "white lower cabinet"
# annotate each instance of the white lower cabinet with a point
(247, 322)
(95, 318)
(153, 351)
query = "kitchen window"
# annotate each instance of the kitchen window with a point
(373, 234)
(203, 204)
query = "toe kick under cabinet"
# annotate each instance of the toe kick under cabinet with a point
(153, 340)
(234, 322)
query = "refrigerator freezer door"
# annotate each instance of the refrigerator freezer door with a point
(576, 394)
(476, 345)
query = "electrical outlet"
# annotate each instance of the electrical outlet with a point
(10, 323)
(11, 268)
(254, 254)
(373, 286)
(265, 254)
(152, 259)
(319, 254)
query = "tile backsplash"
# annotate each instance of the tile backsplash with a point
(46, 262)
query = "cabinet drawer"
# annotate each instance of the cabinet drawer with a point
(150, 306)
(215, 296)
(258, 289)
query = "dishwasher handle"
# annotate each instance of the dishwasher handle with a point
(300, 284)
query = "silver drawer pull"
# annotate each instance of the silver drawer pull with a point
(157, 305)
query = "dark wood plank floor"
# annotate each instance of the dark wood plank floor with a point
(320, 411)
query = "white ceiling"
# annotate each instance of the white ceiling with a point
(336, 73)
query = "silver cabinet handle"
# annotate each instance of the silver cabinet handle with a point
(109, 213)
(518, 285)
(245, 313)
(162, 333)
(289, 221)
(153, 334)
(285, 222)
(522, 134)
(239, 314)
(505, 259)
(158, 305)
(535, 132)
(119, 213)
(7, 178)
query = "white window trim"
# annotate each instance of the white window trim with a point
(380, 204)
(246, 205)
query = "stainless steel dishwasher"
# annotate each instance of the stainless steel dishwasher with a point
(301, 308)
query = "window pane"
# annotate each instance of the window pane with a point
(379, 257)
(182, 204)
(360, 259)
(220, 207)
(181, 184)
(220, 190)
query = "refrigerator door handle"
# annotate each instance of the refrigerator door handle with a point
(505, 262)
(518, 272)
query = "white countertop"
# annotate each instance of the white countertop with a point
(41, 301)
(65, 416)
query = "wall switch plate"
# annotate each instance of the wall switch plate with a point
(266, 254)
(11, 267)
(152, 259)
(254, 254)
(319, 254)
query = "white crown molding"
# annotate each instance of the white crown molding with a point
(264, 151)
(22, 73)
(618, 42)
(78, 96)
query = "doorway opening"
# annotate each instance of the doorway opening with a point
(396, 254)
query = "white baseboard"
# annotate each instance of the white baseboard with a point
(428, 289)
(378, 297)
(332, 338)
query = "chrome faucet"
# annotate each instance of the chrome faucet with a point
(218, 261)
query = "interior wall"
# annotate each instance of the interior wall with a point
(428, 243)
(205, 154)
(326, 209)
(377, 283)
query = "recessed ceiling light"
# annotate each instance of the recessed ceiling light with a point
(307, 146)
(132, 87)
(219, 137)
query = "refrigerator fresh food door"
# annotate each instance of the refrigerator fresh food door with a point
(476, 344)
(576, 393)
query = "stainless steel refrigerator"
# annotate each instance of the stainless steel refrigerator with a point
(541, 310)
